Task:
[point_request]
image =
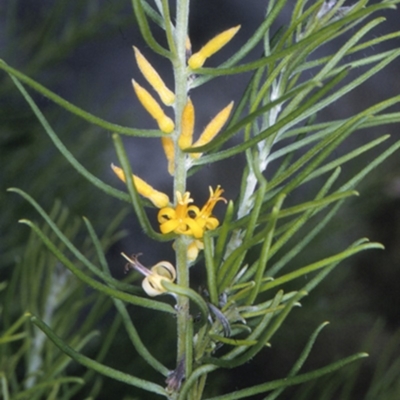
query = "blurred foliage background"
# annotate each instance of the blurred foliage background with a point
(82, 51)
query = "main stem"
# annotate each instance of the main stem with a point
(181, 90)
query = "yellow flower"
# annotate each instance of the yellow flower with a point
(187, 126)
(204, 217)
(216, 43)
(165, 123)
(187, 219)
(169, 150)
(151, 75)
(152, 283)
(159, 199)
(213, 128)
(178, 219)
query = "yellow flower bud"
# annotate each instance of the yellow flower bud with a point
(187, 126)
(216, 43)
(152, 76)
(168, 146)
(150, 104)
(213, 128)
(193, 250)
(159, 199)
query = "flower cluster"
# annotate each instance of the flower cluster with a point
(184, 138)
(184, 218)
(187, 219)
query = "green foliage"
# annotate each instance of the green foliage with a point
(252, 259)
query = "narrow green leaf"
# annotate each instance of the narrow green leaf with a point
(232, 341)
(191, 380)
(346, 158)
(321, 36)
(289, 120)
(133, 193)
(224, 136)
(300, 361)
(74, 109)
(223, 233)
(153, 15)
(29, 393)
(373, 164)
(228, 361)
(68, 244)
(100, 368)
(147, 303)
(264, 253)
(191, 294)
(296, 380)
(210, 268)
(65, 152)
(145, 29)
(136, 340)
(97, 245)
(319, 264)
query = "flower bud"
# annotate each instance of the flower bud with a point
(153, 108)
(216, 43)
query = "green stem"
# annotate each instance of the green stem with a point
(181, 90)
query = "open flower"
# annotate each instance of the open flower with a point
(179, 219)
(152, 283)
(204, 218)
(186, 219)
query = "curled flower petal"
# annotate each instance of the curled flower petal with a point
(159, 199)
(165, 269)
(213, 128)
(165, 123)
(152, 283)
(162, 271)
(216, 43)
(152, 76)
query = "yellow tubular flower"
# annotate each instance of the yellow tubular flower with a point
(216, 43)
(150, 104)
(159, 199)
(186, 136)
(213, 128)
(168, 146)
(151, 75)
